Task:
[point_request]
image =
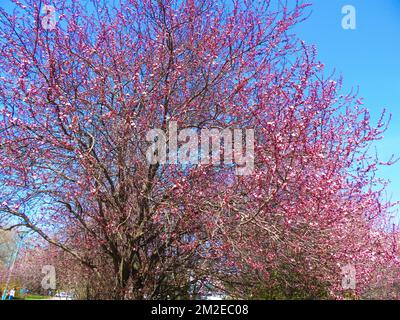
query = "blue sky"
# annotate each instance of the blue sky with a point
(367, 57)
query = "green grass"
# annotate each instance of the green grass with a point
(35, 297)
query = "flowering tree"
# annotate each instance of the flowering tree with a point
(79, 96)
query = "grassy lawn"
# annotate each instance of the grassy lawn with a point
(36, 297)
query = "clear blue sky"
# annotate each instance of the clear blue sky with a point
(368, 58)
